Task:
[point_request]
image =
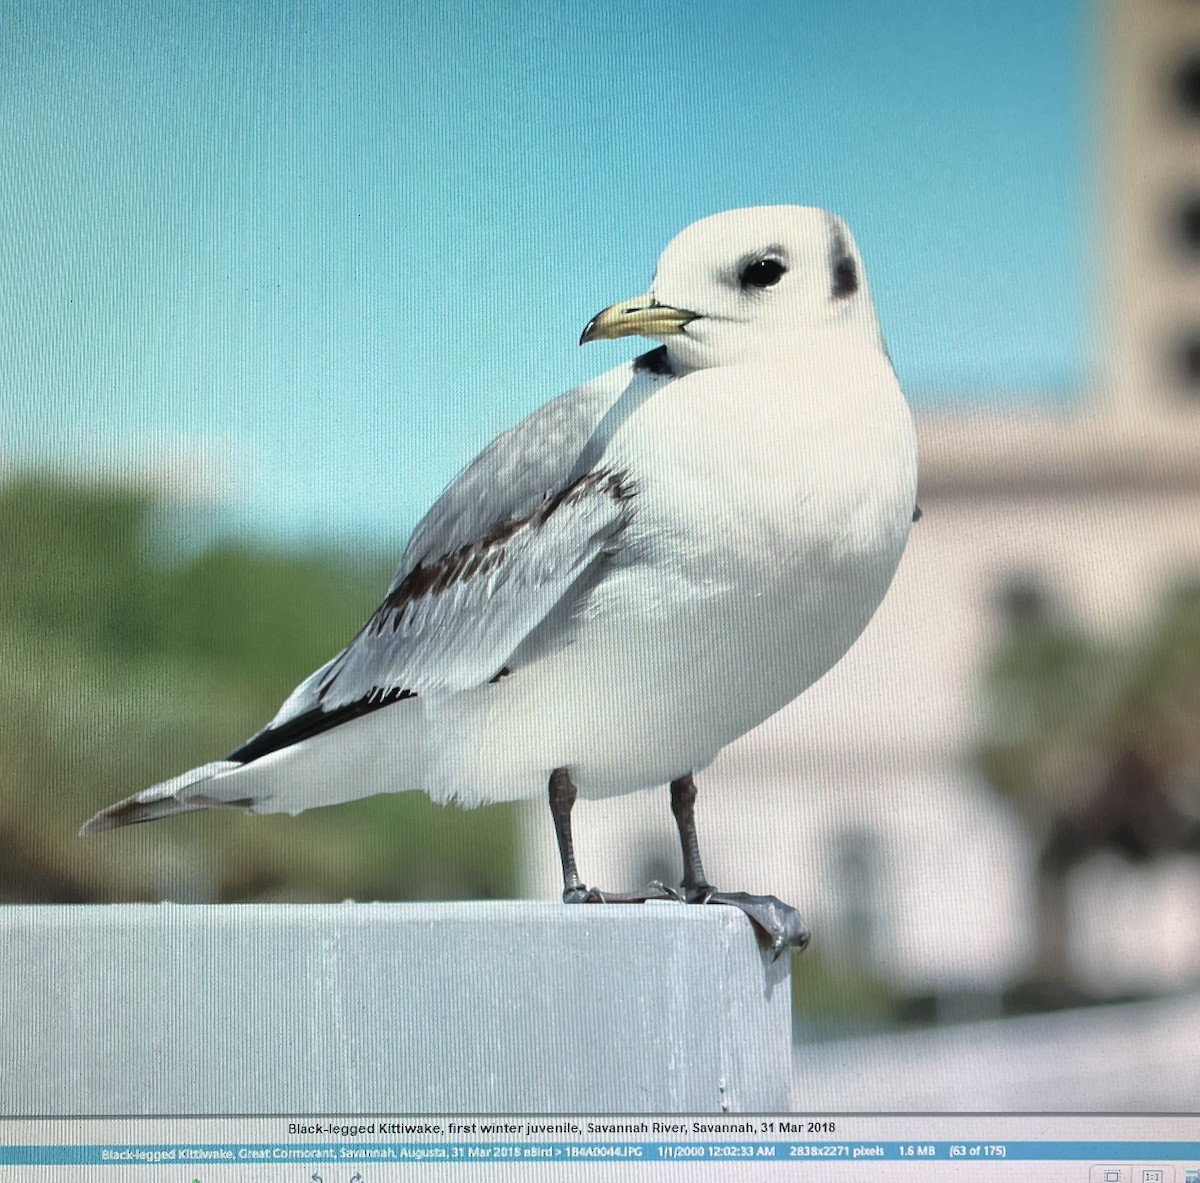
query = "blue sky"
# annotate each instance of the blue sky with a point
(329, 250)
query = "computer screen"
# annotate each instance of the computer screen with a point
(591, 588)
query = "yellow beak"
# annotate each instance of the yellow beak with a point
(640, 317)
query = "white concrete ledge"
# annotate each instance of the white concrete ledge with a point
(389, 1008)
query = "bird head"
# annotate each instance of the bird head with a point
(736, 285)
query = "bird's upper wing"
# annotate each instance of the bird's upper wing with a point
(453, 622)
(527, 519)
(516, 473)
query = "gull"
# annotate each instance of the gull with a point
(639, 573)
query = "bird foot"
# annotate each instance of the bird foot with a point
(579, 894)
(593, 895)
(780, 923)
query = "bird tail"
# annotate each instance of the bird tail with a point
(180, 794)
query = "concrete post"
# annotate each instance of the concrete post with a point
(389, 1008)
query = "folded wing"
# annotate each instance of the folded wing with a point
(454, 621)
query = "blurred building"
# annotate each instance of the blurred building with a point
(858, 803)
(1150, 207)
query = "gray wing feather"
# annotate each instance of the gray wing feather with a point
(516, 473)
(493, 556)
(454, 623)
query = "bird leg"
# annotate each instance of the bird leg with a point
(779, 923)
(562, 801)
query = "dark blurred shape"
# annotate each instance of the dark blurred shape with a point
(1187, 361)
(1187, 225)
(118, 668)
(26, 879)
(1023, 602)
(1097, 744)
(857, 852)
(1185, 84)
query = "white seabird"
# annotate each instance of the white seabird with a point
(634, 576)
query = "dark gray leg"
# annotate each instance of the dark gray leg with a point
(683, 806)
(562, 801)
(780, 923)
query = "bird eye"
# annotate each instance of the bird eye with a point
(762, 273)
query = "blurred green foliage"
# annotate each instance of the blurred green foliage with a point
(833, 993)
(1084, 729)
(127, 656)
(1096, 742)
(1050, 688)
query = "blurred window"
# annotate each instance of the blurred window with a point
(1187, 361)
(1187, 225)
(1187, 84)
(1023, 600)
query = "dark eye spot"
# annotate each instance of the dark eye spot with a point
(762, 273)
(845, 278)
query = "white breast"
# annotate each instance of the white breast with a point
(778, 514)
(768, 524)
